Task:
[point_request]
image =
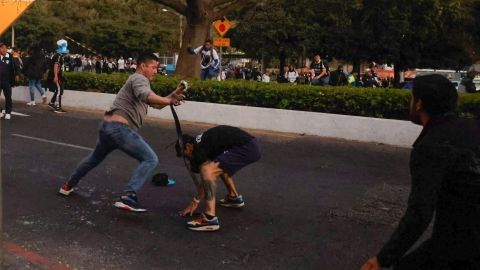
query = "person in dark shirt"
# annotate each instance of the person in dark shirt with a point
(7, 79)
(445, 169)
(55, 76)
(338, 77)
(34, 68)
(369, 80)
(220, 151)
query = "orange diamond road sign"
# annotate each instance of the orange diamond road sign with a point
(221, 42)
(222, 26)
(10, 10)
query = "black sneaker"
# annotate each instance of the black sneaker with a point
(51, 105)
(129, 202)
(59, 110)
(232, 202)
(202, 224)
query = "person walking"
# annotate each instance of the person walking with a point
(55, 76)
(34, 68)
(445, 171)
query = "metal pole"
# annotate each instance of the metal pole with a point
(13, 36)
(220, 62)
(181, 30)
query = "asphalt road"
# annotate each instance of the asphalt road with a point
(311, 203)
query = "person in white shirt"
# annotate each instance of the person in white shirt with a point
(121, 64)
(209, 59)
(221, 76)
(265, 78)
(475, 68)
(291, 75)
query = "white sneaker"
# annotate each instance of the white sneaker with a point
(44, 99)
(8, 116)
(31, 103)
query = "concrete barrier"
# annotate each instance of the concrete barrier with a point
(363, 129)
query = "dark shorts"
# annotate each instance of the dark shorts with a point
(238, 157)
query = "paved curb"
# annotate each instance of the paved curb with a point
(363, 129)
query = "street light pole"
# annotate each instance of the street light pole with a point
(181, 31)
(13, 37)
(180, 24)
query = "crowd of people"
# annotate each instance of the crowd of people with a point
(318, 73)
(35, 62)
(315, 75)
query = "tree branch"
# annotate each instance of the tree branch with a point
(176, 5)
(224, 7)
(221, 2)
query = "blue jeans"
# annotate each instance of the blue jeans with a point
(207, 73)
(322, 81)
(112, 136)
(35, 84)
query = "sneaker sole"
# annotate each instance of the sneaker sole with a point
(128, 207)
(65, 192)
(232, 205)
(210, 228)
(58, 112)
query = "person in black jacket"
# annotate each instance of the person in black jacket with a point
(7, 79)
(445, 169)
(338, 77)
(34, 68)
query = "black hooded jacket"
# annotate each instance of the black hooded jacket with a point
(7, 70)
(445, 170)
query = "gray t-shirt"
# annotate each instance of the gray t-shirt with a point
(131, 100)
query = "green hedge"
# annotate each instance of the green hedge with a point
(369, 102)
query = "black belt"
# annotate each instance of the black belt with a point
(187, 163)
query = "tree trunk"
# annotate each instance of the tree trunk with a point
(199, 18)
(188, 65)
(282, 59)
(199, 15)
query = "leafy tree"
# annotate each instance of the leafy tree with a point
(271, 30)
(109, 27)
(407, 33)
(199, 15)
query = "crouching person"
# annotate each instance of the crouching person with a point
(219, 152)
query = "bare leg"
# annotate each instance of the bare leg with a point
(209, 173)
(232, 190)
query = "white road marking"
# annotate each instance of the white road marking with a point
(53, 142)
(19, 114)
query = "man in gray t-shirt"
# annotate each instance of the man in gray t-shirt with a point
(132, 100)
(119, 128)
